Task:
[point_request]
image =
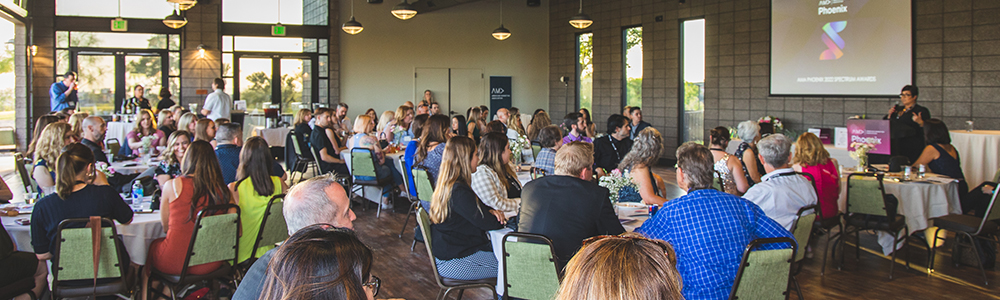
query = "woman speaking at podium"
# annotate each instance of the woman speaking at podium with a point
(908, 139)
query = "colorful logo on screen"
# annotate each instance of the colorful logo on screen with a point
(833, 40)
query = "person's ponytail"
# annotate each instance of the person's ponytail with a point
(75, 158)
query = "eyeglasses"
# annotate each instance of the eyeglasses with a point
(374, 283)
(632, 237)
(905, 95)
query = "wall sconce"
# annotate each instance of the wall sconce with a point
(33, 50)
(201, 51)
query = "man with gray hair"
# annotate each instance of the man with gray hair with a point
(709, 229)
(303, 206)
(230, 139)
(781, 192)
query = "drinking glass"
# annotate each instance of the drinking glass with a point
(968, 125)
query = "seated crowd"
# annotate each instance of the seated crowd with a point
(690, 248)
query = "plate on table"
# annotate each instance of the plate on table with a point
(630, 209)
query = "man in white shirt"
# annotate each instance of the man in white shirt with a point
(218, 104)
(781, 192)
(503, 115)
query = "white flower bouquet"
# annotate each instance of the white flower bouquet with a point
(614, 182)
(774, 121)
(103, 167)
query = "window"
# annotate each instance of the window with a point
(264, 71)
(138, 9)
(632, 38)
(693, 66)
(100, 58)
(291, 12)
(585, 70)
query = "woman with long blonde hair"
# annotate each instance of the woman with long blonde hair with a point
(187, 122)
(76, 122)
(639, 164)
(625, 267)
(53, 138)
(204, 130)
(475, 125)
(170, 159)
(461, 249)
(383, 123)
(145, 126)
(401, 123)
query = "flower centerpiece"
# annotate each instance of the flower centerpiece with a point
(860, 153)
(516, 148)
(103, 167)
(614, 182)
(776, 124)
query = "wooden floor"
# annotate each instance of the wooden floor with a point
(407, 274)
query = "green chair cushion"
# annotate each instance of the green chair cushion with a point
(362, 164)
(425, 191)
(530, 269)
(275, 230)
(216, 239)
(76, 255)
(766, 275)
(865, 196)
(803, 231)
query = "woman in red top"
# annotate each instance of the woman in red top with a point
(200, 185)
(812, 158)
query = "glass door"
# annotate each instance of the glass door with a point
(96, 84)
(296, 84)
(144, 69)
(254, 82)
(693, 66)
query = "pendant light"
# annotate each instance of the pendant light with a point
(404, 11)
(184, 4)
(352, 27)
(501, 33)
(175, 20)
(581, 20)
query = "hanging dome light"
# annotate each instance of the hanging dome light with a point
(175, 20)
(501, 33)
(581, 20)
(353, 27)
(184, 4)
(404, 11)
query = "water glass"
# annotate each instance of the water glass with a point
(907, 170)
(968, 125)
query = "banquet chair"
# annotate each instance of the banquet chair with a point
(364, 172)
(414, 200)
(425, 191)
(22, 165)
(802, 231)
(825, 225)
(20, 287)
(764, 274)
(301, 161)
(972, 228)
(215, 238)
(114, 146)
(273, 228)
(869, 208)
(446, 285)
(529, 267)
(535, 148)
(73, 270)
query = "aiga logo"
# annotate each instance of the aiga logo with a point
(833, 40)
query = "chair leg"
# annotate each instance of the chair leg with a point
(798, 289)
(441, 294)
(826, 252)
(933, 250)
(407, 220)
(975, 252)
(460, 293)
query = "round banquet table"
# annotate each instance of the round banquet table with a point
(978, 151)
(136, 235)
(118, 130)
(131, 166)
(919, 202)
(275, 137)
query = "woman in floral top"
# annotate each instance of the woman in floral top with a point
(170, 160)
(400, 125)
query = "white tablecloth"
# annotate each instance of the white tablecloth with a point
(918, 201)
(275, 137)
(978, 151)
(842, 156)
(118, 130)
(137, 235)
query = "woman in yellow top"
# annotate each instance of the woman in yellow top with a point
(253, 188)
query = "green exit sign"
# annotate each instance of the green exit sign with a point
(278, 30)
(119, 24)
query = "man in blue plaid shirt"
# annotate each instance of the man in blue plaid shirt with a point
(708, 229)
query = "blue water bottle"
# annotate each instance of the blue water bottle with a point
(137, 192)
